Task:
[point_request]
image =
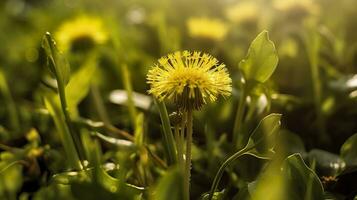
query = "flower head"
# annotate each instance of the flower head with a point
(297, 8)
(243, 13)
(208, 28)
(81, 33)
(190, 79)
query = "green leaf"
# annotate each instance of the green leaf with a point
(57, 63)
(169, 142)
(79, 85)
(301, 181)
(261, 59)
(5, 92)
(349, 150)
(260, 145)
(11, 178)
(63, 131)
(139, 130)
(263, 138)
(270, 184)
(170, 186)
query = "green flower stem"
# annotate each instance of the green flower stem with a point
(226, 163)
(182, 139)
(179, 145)
(188, 155)
(237, 130)
(169, 142)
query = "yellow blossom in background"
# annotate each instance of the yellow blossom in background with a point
(297, 8)
(190, 79)
(80, 32)
(209, 28)
(243, 13)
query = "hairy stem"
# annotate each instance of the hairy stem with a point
(188, 155)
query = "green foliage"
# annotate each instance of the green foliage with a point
(349, 150)
(301, 181)
(57, 63)
(293, 180)
(260, 144)
(6, 94)
(261, 59)
(79, 85)
(262, 140)
(63, 131)
(168, 137)
(81, 124)
(10, 176)
(169, 186)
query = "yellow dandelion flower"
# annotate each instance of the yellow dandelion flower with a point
(82, 32)
(243, 13)
(190, 79)
(297, 8)
(214, 29)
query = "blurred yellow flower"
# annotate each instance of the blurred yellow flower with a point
(81, 33)
(190, 79)
(297, 8)
(243, 13)
(209, 28)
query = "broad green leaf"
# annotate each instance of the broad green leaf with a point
(79, 85)
(261, 59)
(301, 181)
(349, 150)
(57, 63)
(263, 138)
(270, 185)
(170, 186)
